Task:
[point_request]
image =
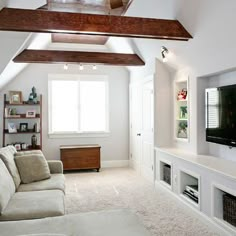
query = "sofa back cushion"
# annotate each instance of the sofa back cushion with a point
(33, 167)
(23, 153)
(7, 186)
(7, 156)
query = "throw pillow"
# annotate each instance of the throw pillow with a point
(32, 168)
(7, 156)
(7, 186)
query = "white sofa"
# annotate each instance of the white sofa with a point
(34, 200)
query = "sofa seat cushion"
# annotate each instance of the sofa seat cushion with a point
(7, 186)
(103, 223)
(7, 156)
(32, 167)
(34, 205)
(56, 182)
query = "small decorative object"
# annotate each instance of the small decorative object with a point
(23, 127)
(15, 97)
(23, 146)
(183, 112)
(12, 128)
(182, 130)
(18, 146)
(33, 97)
(34, 141)
(30, 113)
(13, 112)
(182, 95)
(36, 127)
(7, 111)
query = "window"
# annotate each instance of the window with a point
(78, 104)
(213, 109)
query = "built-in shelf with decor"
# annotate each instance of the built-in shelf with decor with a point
(189, 187)
(165, 172)
(22, 124)
(224, 207)
(181, 122)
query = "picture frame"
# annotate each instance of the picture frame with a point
(15, 97)
(12, 128)
(23, 127)
(18, 146)
(30, 113)
(23, 146)
(183, 112)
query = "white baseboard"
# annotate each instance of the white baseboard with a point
(112, 164)
(201, 216)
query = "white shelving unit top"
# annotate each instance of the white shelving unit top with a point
(224, 167)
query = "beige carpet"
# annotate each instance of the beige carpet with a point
(119, 188)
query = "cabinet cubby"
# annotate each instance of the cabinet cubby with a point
(191, 182)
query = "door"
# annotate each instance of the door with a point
(147, 159)
(135, 126)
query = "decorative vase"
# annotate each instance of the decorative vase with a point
(34, 141)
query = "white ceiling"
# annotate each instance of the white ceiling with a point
(210, 22)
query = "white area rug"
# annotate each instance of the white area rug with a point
(160, 213)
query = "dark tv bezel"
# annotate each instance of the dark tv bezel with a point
(215, 139)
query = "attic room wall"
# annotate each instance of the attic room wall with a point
(115, 147)
(221, 79)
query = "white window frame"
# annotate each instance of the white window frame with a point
(68, 134)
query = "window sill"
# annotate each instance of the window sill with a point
(79, 135)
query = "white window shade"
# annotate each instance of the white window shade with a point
(213, 109)
(93, 106)
(64, 103)
(78, 105)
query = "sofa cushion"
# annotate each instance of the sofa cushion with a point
(57, 181)
(104, 223)
(7, 156)
(7, 186)
(34, 205)
(32, 168)
(23, 153)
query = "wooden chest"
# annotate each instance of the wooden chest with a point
(79, 157)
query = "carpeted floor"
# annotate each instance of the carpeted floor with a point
(161, 213)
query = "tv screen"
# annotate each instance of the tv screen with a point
(221, 115)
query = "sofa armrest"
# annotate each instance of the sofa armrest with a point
(56, 167)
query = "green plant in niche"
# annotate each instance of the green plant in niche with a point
(183, 112)
(182, 129)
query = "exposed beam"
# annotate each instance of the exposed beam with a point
(76, 23)
(75, 57)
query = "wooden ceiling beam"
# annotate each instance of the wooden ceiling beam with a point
(76, 23)
(77, 57)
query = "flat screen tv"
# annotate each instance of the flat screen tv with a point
(221, 115)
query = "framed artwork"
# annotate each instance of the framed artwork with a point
(23, 127)
(12, 128)
(183, 112)
(15, 97)
(31, 113)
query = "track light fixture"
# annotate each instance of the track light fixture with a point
(65, 67)
(164, 52)
(81, 67)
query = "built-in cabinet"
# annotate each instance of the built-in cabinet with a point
(22, 124)
(205, 183)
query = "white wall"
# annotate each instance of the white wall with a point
(163, 103)
(115, 147)
(221, 151)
